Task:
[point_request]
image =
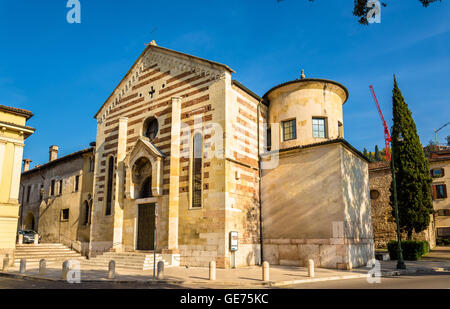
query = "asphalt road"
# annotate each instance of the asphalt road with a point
(435, 281)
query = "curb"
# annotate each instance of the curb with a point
(38, 278)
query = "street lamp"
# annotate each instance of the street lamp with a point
(400, 261)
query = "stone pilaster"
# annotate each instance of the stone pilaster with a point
(174, 176)
(119, 184)
(15, 177)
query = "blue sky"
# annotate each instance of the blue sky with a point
(64, 72)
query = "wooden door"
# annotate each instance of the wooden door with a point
(146, 227)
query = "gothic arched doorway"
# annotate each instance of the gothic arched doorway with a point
(142, 178)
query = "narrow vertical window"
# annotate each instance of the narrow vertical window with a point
(28, 193)
(269, 139)
(60, 186)
(109, 186)
(41, 192)
(52, 188)
(196, 176)
(86, 213)
(77, 182)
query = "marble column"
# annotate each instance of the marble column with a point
(174, 177)
(119, 184)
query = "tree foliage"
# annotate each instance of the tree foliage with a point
(411, 169)
(361, 9)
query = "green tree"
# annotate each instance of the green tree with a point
(411, 168)
(365, 153)
(431, 147)
(448, 140)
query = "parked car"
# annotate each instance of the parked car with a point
(28, 236)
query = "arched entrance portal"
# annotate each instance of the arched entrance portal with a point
(142, 179)
(29, 223)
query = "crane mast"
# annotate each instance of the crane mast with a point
(387, 136)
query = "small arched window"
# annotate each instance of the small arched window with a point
(109, 186)
(196, 171)
(150, 128)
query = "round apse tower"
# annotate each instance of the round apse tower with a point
(305, 111)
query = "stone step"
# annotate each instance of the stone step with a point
(120, 258)
(49, 252)
(35, 262)
(39, 245)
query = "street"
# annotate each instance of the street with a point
(435, 281)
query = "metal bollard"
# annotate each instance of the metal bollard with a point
(160, 273)
(311, 268)
(112, 270)
(20, 239)
(6, 263)
(212, 270)
(23, 266)
(36, 239)
(42, 267)
(65, 270)
(265, 271)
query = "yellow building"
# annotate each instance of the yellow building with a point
(13, 132)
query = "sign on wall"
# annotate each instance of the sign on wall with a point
(234, 241)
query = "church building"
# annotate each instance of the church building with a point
(222, 174)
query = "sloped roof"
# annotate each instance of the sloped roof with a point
(156, 47)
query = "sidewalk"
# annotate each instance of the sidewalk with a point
(241, 277)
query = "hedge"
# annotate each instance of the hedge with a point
(412, 250)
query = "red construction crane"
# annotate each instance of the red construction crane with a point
(387, 136)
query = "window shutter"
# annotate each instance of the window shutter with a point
(434, 194)
(443, 172)
(445, 191)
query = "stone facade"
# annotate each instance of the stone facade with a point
(384, 227)
(13, 132)
(56, 199)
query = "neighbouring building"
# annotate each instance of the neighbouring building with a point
(56, 198)
(384, 226)
(440, 172)
(13, 132)
(182, 146)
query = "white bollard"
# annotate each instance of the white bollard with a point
(20, 239)
(65, 270)
(23, 266)
(265, 271)
(42, 267)
(112, 269)
(36, 239)
(311, 268)
(212, 270)
(6, 263)
(160, 268)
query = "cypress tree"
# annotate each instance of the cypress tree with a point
(377, 154)
(411, 168)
